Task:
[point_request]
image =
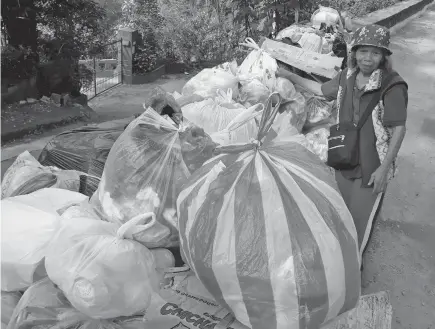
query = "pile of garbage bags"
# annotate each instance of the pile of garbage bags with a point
(217, 212)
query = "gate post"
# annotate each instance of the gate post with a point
(125, 54)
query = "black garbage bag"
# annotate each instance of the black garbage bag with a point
(84, 149)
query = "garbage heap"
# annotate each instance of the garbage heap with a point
(213, 208)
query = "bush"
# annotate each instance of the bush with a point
(17, 63)
(196, 33)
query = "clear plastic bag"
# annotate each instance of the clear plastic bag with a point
(318, 110)
(27, 175)
(100, 269)
(215, 115)
(253, 92)
(9, 301)
(318, 141)
(258, 65)
(145, 170)
(266, 231)
(44, 306)
(26, 233)
(52, 200)
(242, 129)
(292, 116)
(294, 32)
(208, 81)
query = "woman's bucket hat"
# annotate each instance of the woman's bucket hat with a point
(372, 35)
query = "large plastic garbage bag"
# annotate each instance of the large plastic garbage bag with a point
(258, 65)
(318, 141)
(326, 15)
(9, 301)
(52, 200)
(318, 110)
(72, 150)
(266, 231)
(208, 81)
(253, 92)
(230, 67)
(100, 269)
(27, 175)
(312, 42)
(44, 306)
(84, 149)
(292, 114)
(214, 116)
(145, 170)
(294, 32)
(25, 235)
(242, 129)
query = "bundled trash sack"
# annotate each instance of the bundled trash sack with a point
(292, 114)
(9, 301)
(145, 170)
(318, 110)
(242, 129)
(294, 32)
(230, 67)
(208, 81)
(214, 116)
(44, 306)
(318, 141)
(266, 231)
(253, 92)
(52, 200)
(327, 16)
(84, 149)
(100, 269)
(26, 233)
(258, 65)
(164, 104)
(27, 175)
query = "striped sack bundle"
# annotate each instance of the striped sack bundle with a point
(266, 231)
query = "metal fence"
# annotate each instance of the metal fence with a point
(103, 71)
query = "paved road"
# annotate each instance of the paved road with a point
(402, 255)
(401, 258)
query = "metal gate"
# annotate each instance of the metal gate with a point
(103, 71)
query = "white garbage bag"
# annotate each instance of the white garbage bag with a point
(258, 65)
(253, 92)
(102, 272)
(311, 42)
(25, 235)
(318, 141)
(326, 15)
(207, 82)
(213, 115)
(9, 301)
(27, 175)
(292, 116)
(294, 32)
(242, 129)
(53, 200)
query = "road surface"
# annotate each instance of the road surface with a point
(401, 256)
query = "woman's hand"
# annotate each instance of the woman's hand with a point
(379, 179)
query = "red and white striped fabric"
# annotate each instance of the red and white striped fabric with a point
(267, 232)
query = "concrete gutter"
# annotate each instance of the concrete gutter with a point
(396, 16)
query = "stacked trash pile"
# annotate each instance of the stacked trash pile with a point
(212, 208)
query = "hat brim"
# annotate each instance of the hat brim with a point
(389, 52)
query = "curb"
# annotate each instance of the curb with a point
(84, 116)
(396, 16)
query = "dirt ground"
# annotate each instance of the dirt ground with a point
(401, 255)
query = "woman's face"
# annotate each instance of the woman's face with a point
(369, 58)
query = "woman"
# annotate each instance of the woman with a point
(369, 74)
